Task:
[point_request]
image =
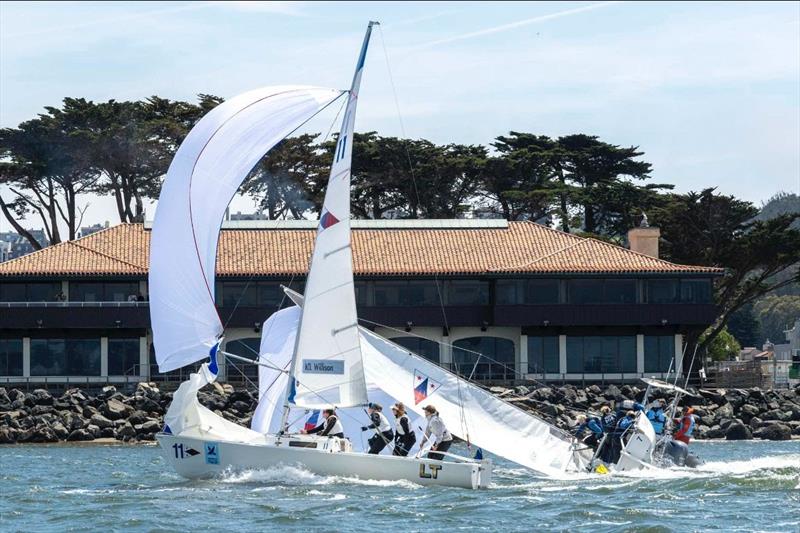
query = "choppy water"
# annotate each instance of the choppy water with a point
(744, 486)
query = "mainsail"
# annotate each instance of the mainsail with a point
(203, 177)
(327, 367)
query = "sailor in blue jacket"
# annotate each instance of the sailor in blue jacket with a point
(657, 417)
(594, 425)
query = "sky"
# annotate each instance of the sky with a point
(709, 91)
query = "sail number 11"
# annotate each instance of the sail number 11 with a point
(178, 450)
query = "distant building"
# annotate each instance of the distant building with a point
(88, 230)
(244, 216)
(789, 352)
(13, 245)
(536, 303)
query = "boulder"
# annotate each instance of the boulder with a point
(241, 407)
(41, 397)
(100, 421)
(115, 409)
(80, 435)
(60, 431)
(108, 391)
(148, 428)
(724, 411)
(8, 435)
(774, 432)
(543, 394)
(612, 392)
(94, 430)
(126, 432)
(748, 411)
(738, 431)
(138, 417)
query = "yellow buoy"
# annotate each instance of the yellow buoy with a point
(601, 469)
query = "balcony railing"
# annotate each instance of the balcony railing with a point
(73, 304)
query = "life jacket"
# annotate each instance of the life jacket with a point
(657, 419)
(609, 422)
(687, 425)
(337, 426)
(399, 429)
(380, 422)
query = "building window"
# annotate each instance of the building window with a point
(424, 347)
(508, 291)
(543, 355)
(658, 352)
(65, 357)
(405, 293)
(484, 358)
(696, 291)
(541, 291)
(10, 357)
(239, 293)
(90, 291)
(30, 292)
(467, 292)
(597, 355)
(266, 294)
(123, 357)
(361, 292)
(662, 291)
(602, 291)
(238, 370)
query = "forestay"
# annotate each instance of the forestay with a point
(468, 411)
(205, 173)
(327, 369)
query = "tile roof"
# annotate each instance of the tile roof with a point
(522, 247)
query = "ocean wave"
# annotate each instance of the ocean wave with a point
(292, 475)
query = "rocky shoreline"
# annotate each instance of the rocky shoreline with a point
(76, 415)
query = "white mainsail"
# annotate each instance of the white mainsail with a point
(208, 168)
(327, 368)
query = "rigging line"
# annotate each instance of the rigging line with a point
(467, 350)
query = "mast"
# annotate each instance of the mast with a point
(332, 253)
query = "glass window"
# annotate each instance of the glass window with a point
(120, 291)
(43, 292)
(123, 357)
(269, 294)
(620, 291)
(543, 355)
(608, 354)
(484, 358)
(13, 292)
(542, 291)
(467, 292)
(422, 292)
(662, 291)
(658, 352)
(425, 347)
(239, 293)
(696, 291)
(83, 357)
(238, 370)
(506, 291)
(361, 292)
(85, 291)
(60, 357)
(388, 293)
(585, 291)
(10, 357)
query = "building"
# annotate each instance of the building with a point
(535, 302)
(94, 228)
(13, 245)
(789, 353)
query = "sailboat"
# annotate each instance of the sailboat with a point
(314, 354)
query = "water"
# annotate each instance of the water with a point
(744, 486)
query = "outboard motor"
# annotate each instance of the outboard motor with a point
(678, 451)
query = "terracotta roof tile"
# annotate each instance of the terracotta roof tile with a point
(524, 247)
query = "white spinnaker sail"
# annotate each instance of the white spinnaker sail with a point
(487, 421)
(203, 177)
(328, 370)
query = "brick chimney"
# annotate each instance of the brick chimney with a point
(644, 239)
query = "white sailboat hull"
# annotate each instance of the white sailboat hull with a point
(200, 458)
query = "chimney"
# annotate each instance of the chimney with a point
(644, 239)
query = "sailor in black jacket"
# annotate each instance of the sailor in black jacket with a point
(404, 437)
(383, 431)
(330, 427)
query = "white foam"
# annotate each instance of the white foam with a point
(290, 475)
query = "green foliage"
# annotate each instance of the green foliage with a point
(777, 314)
(746, 326)
(722, 346)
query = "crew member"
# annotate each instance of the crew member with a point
(684, 433)
(330, 426)
(615, 448)
(437, 433)
(595, 427)
(383, 431)
(656, 416)
(404, 437)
